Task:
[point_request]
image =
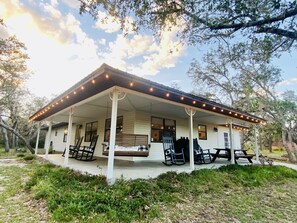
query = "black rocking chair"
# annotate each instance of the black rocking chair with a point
(73, 149)
(87, 152)
(170, 155)
(201, 156)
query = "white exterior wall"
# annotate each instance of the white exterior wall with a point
(57, 140)
(140, 123)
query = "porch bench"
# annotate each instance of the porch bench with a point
(129, 145)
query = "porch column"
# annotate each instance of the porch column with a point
(37, 139)
(69, 133)
(112, 136)
(231, 142)
(191, 113)
(48, 139)
(256, 144)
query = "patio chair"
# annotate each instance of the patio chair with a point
(172, 157)
(87, 152)
(73, 149)
(201, 156)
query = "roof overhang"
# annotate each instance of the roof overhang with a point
(107, 77)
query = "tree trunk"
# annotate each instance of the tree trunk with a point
(270, 144)
(288, 147)
(291, 145)
(5, 139)
(3, 125)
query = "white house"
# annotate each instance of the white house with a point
(110, 101)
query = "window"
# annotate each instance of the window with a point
(162, 127)
(226, 140)
(65, 135)
(202, 132)
(107, 127)
(91, 130)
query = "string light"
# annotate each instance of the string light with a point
(131, 84)
(151, 89)
(74, 92)
(167, 94)
(241, 116)
(106, 76)
(82, 87)
(182, 98)
(67, 96)
(222, 110)
(204, 105)
(230, 113)
(93, 81)
(236, 114)
(214, 108)
(194, 102)
(62, 100)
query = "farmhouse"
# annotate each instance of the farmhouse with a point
(116, 105)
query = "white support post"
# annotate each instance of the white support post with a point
(231, 142)
(191, 146)
(191, 113)
(69, 133)
(37, 139)
(48, 139)
(256, 145)
(112, 137)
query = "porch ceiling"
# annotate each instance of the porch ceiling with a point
(100, 107)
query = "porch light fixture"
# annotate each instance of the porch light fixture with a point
(222, 110)
(106, 76)
(82, 87)
(230, 113)
(93, 81)
(182, 98)
(67, 96)
(252, 119)
(57, 103)
(151, 89)
(203, 105)
(194, 102)
(74, 92)
(131, 84)
(214, 108)
(241, 116)
(236, 114)
(167, 94)
(62, 100)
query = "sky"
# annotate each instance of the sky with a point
(65, 46)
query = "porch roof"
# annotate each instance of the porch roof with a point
(106, 77)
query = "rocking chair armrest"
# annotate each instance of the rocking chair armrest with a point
(206, 150)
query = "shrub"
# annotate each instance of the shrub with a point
(29, 157)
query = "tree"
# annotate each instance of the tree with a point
(249, 83)
(13, 72)
(267, 23)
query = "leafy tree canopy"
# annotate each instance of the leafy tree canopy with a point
(269, 22)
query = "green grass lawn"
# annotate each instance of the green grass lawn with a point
(229, 194)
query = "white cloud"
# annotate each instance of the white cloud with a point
(61, 53)
(58, 59)
(72, 3)
(111, 24)
(287, 82)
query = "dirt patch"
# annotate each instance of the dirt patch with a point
(12, 162)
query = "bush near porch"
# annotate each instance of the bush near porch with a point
(230, 194)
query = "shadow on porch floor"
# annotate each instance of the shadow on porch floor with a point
(131, 170)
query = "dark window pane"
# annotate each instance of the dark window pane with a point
(202, 132)
(157, 123)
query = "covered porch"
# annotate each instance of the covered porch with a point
(108, 94)
(130, 170)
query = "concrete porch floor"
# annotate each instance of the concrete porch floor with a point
(132, 170)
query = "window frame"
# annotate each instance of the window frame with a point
(226, 140)
(202, 131)
(172, 132)
(90, 133)
(119, 128)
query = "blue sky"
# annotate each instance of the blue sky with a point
(64, 47)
